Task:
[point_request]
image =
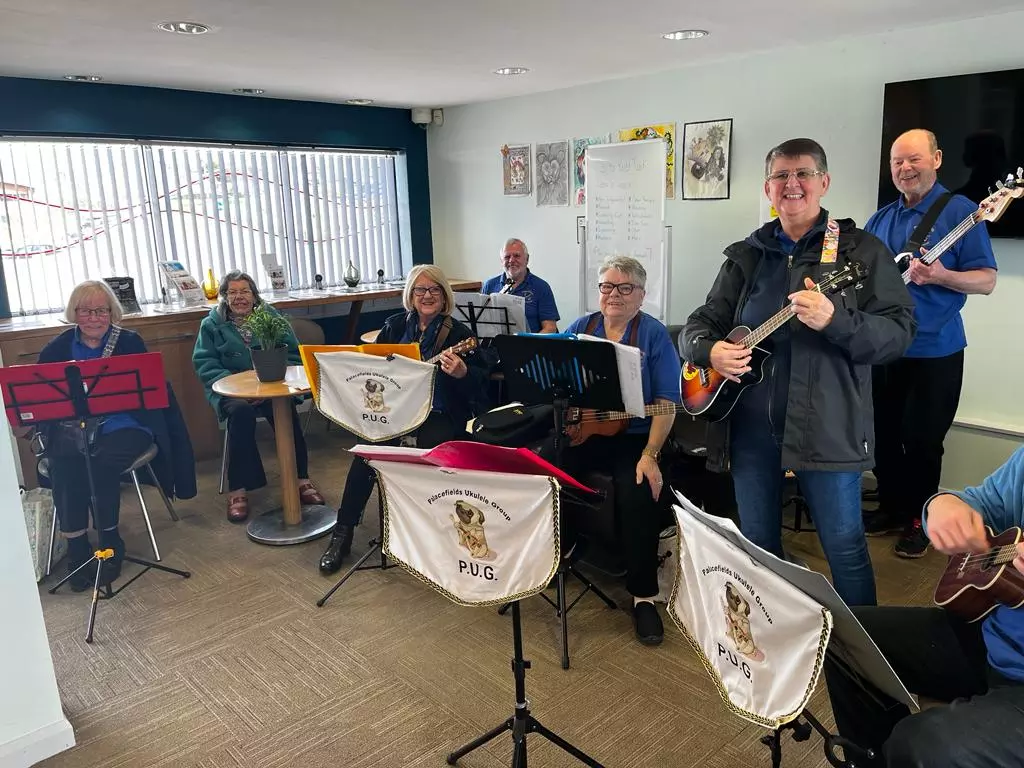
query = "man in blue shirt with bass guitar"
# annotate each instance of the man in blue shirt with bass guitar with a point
(916, 397)
(941, 653)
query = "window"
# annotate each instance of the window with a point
(73, 211)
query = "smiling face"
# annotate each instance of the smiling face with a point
(796, 200)
(514, 260)
(93, 316)
(913, 164)
(427, 299)
(614, 306)
(240, 297)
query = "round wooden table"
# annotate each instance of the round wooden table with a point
(293, 523)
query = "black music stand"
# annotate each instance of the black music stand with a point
(376, 543)
(564, 373)
(88, 388)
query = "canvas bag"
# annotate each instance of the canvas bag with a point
(376, 398)
(479, 538)
(37, 505)
(761, 639)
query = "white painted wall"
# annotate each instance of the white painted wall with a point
(831, 92)
(32, 724)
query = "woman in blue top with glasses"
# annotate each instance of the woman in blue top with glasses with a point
(633, 457)
(428, 321)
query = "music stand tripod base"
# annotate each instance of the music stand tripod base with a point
(269, 527)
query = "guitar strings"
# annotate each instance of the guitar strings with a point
(999, 556)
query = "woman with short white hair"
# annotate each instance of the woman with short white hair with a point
(120, 438)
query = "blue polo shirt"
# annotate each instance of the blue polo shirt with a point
(940, 329)
(114, 421)
(659, 360)
(540, 301)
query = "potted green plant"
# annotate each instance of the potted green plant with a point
(270, 330)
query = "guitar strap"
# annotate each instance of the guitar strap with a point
(920, 233)
(634, 329)
(442, 334)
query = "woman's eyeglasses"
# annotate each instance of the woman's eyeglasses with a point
(802, 175)
(624, 289)
(98, 312)
(434, 290)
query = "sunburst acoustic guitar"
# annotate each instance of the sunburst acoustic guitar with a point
(708, 394)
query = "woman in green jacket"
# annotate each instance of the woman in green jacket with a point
(222, 349)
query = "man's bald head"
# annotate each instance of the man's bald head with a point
(914, 160)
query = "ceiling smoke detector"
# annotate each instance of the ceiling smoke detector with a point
(359, 102)
(83, 78)
(248, 91)
(511, 71)
(183, 27)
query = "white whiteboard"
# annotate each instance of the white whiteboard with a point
(626, 217)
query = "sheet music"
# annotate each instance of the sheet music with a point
(627, 359)
(491, 312)
(849, 642)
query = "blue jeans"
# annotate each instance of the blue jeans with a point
(833, 498)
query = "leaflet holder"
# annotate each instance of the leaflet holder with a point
(564, 373)
(76, 391)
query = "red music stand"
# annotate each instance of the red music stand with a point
(77, 391)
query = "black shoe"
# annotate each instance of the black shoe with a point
(338, 549)
(881, 523)
(111, 566)
(913, 543)
(79, 552)
(647, 624)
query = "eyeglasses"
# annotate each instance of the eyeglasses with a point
(434, 290)
(98, 312)
(239, 294)
(802, 175)
(624, 289)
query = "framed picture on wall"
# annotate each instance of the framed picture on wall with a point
(707, 161)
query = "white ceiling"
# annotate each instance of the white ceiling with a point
(423, 52)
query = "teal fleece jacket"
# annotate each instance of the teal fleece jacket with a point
(220, 351)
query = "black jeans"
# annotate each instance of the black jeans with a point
(638, 517)
(437, 429)
(245, 467)
(115, 452)
(940, 657)
(915, 400)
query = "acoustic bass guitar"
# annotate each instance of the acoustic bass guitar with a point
(708, 394)
(990, 209)
(974, 585)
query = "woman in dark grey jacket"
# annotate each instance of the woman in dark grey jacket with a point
(812, 412)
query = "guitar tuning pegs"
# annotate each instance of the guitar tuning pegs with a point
(990, 192)
(999, 185)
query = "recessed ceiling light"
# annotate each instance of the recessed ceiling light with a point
(183, 27)
(511, 71)
(248, 91)
(686, 34)
(359, 102)
(83, 78)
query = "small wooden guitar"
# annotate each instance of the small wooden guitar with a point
(586, 422)
(463, 347)
(707, 393)
(974, 585)
(990, 209)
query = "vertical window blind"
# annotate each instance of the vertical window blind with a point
(73, 211)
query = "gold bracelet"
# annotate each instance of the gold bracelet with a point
(653, 453)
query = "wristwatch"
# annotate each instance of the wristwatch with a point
(647, 451)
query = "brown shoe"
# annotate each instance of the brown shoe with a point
(238, 508)
(308, 494)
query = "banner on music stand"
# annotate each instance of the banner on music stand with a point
(376, 398)
(760, 638)
(479, 538)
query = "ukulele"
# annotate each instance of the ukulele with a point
(974, 585)
(707, 393)
(463, 347)
(990, 209)
(607, 423)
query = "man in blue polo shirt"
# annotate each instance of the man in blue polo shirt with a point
(541, 312)
(916, 397)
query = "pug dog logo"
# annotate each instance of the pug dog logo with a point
(373, 396)
(469, 525)
(737, 624)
